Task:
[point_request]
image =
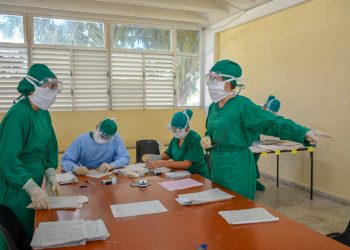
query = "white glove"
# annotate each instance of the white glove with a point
(40, 199)
(51, 182)
(312, 136)
(80, 170)
(206, 142)
(104, 168)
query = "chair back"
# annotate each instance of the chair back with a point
(146, 147)
(343, 238)
(12, 230)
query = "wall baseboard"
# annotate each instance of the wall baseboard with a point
(307, 188)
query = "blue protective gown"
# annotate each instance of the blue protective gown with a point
(85, 151)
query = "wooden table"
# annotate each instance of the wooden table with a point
(182, 227)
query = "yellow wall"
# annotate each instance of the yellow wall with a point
(302, 55)
(133, 125)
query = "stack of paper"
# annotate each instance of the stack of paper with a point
(177, 174)
(137, 208)
(246, 216)
(138, 168)
(96, 174)
(65, 202)
(180, 184)
(66, 178)
(68, 233)
(207, 196)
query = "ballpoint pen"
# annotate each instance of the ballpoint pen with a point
(87, 181)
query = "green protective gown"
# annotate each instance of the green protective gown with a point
(28, 147)
(232, 129)
(190, 150)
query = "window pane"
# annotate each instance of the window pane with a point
(188, 81)
(11, 29)
(68, 32)
(187, 41)
(132, 37)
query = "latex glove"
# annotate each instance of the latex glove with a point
(104, 168)
(51, 182)
(80, 170)
(206, 142)
(312, 136)
(40, 199)
(156, 164)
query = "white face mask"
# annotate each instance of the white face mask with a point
(43, 98)
(217, 91)
(98, 139)
(181, 134)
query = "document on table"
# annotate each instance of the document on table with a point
(246, 216)
(66, 178)
(59, 233)
(66, 202)
(137, 208)
(96, 174)
(281, 146)
(177, 174)
(68, 233)
(206, 196)
(180, 184)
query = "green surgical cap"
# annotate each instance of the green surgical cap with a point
(270, 98)
(228, 67)
(181, 119)
(37, 71)
(274, 105)
(108, 127)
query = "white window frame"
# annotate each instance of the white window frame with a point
(23, 45)
(28, 25)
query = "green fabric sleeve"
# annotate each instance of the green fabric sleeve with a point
(264, 122)
(194, 151)
(51, 160)
(169, 149)
(13, 137)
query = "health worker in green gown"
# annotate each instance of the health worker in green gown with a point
(28, 147)
(273, 105)
(184, 151)
(233, 123)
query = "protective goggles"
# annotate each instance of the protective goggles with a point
(50, 83)
(217, 77)
(103, 135)
(176, 130)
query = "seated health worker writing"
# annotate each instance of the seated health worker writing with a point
(101, 149)
(184, 151)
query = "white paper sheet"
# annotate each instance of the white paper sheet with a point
(211, 195)
(177, 174)
(246, 216)
(68, 233)
(137, 208)
(96, 174)
(66, 202)
(66, 178)
(180, 184)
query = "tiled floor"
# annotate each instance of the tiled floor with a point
(320, 214)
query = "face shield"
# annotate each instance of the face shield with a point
(48, 83)
(217, 78)
(180, 133)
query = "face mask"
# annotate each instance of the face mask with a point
(43, 98)
(98, 138)
(217, 91)
(181, 134)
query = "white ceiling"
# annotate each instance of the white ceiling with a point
(168, 12)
